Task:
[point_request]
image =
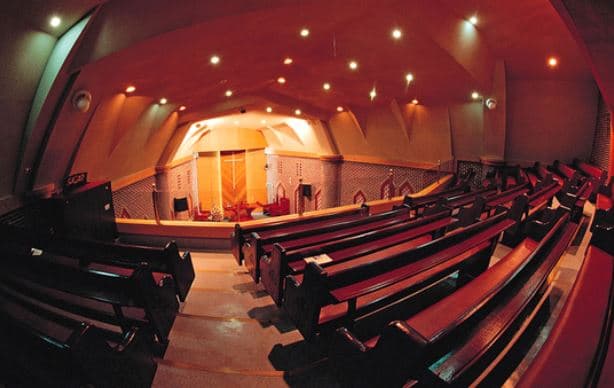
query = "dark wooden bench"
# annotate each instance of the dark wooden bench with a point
(42, 348)
(121, 300)
(418, 204)
(241, 233)
(165, 259)
(505, 198)
(603, 202)
(597, 175)
(451, 342)
(579, 351)
(354, 287)
(260, 245)
(289, 259)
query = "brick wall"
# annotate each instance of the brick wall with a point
(135, 201)
(600, 154)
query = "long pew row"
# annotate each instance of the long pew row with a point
(78, 312)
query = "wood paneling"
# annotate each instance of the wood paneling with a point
(234, 184)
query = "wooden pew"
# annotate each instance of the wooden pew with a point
(578, 351)
(43, 348)
(504, 198)
(597, 175)
(451, 342)
(458, 201)
(165, 259)
(260, 245)
(121, 300)
(603, 203)
(288, 259)
(418, 204)
(343, 291)
(238, 237)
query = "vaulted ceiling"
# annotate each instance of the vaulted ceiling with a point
(164, 49)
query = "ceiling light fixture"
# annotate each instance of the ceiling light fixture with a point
(475, 95)
(326, 86)
(288, 61)
(409, 77)
(182, 108)
(553, 62)
(163, 101)
(269, 109)
(415, 101)
(396, 33)
(473, 20)
(130, 89)
(281, 80)
(373, 94)
(214, 60)
(298, 112)
(353, 65)
(228, 93)
(304, 32)
(339, 109)
(55, 21)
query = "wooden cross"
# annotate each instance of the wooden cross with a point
(233, 161)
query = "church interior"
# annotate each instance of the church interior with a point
(307, 193)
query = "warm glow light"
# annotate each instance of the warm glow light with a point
(130, 89)
(55, 21)
(414, 101)
(397, 34)
(236, 122)
(281, 80)
(182, 108)
(269, 109)
(304, 32)
(473, 20)
(214, 60)
(475, 95)
(228, 93)
(353, 65)
(339, 109)
(298, 112)
(373, 94)
(163, 101)
(288, 61)
(262, 122)
(553, 62)
(409, 77)
(326, 86)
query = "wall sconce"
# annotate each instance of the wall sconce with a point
(491, 103)
(82, 100)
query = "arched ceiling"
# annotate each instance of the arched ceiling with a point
(164, 48)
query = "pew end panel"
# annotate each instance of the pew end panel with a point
(250, 251)
(236, 242)
(182, 269)
(271, 273)
(303, 301)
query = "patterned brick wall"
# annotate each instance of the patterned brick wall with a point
(179, 182)
(135, 201)
(480, 171)
(338, 183)
(600, 155)
(370, 180)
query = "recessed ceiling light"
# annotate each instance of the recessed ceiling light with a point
(288, 61)
(473, 20)
(326, 86)
(339, 109)
(281, 80)
(130, 89)
(553, 62)
(163, 101)
(475, 95)
(298, 112)
(414, 101)
(55, 21)
(228, 93)
(353, 65)
(409, 77)
(304, 32)
(269, 109)
(214, 60)
(373, 94)
(396, 33)
(182, 108)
